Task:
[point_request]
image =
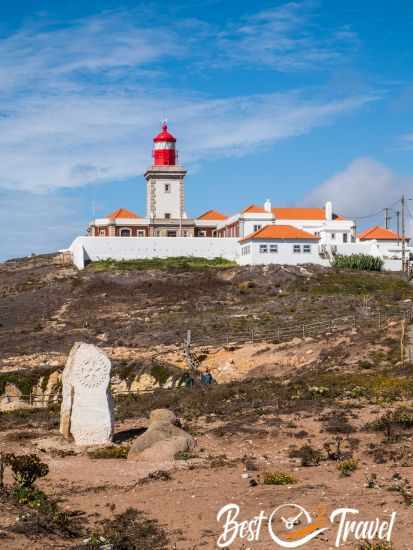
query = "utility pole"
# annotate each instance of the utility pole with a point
(386, 218)
(398, 227)
(403, 237)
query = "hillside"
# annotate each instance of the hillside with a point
(330, 412)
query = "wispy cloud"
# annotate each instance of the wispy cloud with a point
(79, 100)
(286, 38)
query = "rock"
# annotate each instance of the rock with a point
(12, 399)
(144, 383)
(86, 411)
(162, 440)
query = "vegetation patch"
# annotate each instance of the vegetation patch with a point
(308, 455)
(131, 530)
(278, 478)
(178, 263)
(360, 262)
(347, 467)
(111, 451)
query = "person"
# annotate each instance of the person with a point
(187, 380)
(207, 378)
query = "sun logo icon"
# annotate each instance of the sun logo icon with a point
(291, 526)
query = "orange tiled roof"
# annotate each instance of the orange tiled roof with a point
(212, 215)
(280, 232)
(253, 209)
(379, 233)
(302, 214)
(122, 213)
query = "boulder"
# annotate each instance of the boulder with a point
(86, 411)
(162, 440)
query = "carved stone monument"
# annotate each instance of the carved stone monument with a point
(86, 411)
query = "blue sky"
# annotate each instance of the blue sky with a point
(296, 101)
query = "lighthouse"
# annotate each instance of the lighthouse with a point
(164, 153)
(165, 193)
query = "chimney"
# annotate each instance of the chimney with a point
(329, 210)
(267, 206)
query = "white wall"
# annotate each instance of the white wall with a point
(133, 248)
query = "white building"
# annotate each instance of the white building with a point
(255, 235)
(388, 241)
(279, 244)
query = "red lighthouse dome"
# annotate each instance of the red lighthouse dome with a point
(164, 153)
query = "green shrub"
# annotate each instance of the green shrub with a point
(111, 451)
(361, 262)
(347, 467)
(278, 478)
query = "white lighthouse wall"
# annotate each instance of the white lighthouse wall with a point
(86, 249)
(168, 202)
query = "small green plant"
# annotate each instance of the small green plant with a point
(278, 478)
(111, 451)
(375, 546)
(308, 455)
(347, 467)
(184, 455)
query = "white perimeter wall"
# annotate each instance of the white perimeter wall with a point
(86, 249)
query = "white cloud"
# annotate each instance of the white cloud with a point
(286, 38)
(363, 188)
(79, 103)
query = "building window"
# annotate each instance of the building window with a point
(257, 227)
(167, 216)
(125, 232)
(171, 233)
(317, 233)
(263, 249)
(273, 248)
(307, 248)
(333, 236)
(297, 249)
(202, 234)
(167, 187)
(102, 232)
(246, 250)
(345, 237)
(140, 233)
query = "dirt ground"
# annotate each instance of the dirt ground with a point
(187, 504)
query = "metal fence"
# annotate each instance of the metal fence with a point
(284, 333)
(376, 319)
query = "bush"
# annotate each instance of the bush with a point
(278, 478)
(128, 531)
(361, 262)
(308, 455)
(347, 467)
(26, 468)
(111, 451)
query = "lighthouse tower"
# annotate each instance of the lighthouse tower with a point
(165, 183)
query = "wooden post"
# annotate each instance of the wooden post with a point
(188, 337)
(379, 319)
(402, 340)
(303, 331)
(252, 336)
